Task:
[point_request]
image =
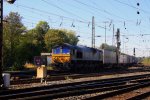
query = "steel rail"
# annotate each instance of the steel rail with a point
(75, 83)
(140, 97)
(120, 91)
(60, 91)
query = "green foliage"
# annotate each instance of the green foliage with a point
(108, 47)
(146, 61)
(21, 45)
(40, 30)
(16, 67)
(13, 29)
(55, 37)
(71, 36)
(42, 27)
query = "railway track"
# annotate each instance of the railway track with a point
(79, 88)
(141, 96)
(31, 73)
(52, 78)
(56, 76)
(120, 91)
(54, 72)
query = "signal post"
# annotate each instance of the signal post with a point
(1, 38)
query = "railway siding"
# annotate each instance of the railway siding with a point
(73, 80)
(104, 87)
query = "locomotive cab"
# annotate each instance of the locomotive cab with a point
(61, 55)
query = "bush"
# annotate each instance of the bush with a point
(17, 66)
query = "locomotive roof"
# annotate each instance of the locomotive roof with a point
(79, 47)
(65, 44)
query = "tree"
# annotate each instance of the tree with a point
(29, 46)
(42, 27)
(71, 36)
(108, 47)
(13, 29)
(55, 37)
(32, 43)
(40, 30)
(20, 47)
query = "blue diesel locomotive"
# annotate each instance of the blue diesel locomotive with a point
(68, 56)
(75, 57)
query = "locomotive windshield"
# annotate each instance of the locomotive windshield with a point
(61, 50)
(65, 50)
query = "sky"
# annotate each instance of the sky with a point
(77, 15)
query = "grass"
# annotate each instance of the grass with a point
(32, 66)
(29, 66)
(146, 61)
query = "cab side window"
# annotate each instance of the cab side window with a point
(79, 54)
(73, 52)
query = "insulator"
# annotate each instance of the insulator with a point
(138, 12)
(11, 1)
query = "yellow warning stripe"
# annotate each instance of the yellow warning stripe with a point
(61, 58)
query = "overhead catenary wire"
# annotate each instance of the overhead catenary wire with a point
(63, 16)
(100, 10)
(147, 12)
(49, 13)
(77, 19)
(68, 18)
(68, 12)
(104, 11)
(75, 6)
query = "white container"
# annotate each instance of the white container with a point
(6, 78)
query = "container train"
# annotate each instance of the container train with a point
(68, 56)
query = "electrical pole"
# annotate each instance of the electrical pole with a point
(118, 46)
(93, 32)
(1, 38)
(105, 32)
(134, 52)
(105, 29)
(113, 34)
(1, 41)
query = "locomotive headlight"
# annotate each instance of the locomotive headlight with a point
(11, 1)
